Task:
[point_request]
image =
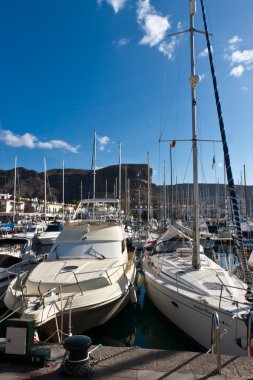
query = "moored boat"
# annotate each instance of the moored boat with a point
(84, 282)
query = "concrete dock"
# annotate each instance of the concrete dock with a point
(124, 363)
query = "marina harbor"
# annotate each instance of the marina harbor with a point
(114, 272)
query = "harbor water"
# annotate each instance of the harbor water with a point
(144, 326)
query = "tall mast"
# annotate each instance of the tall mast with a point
(120, 180)
(45, 189)
(94, 171)
(164, 193)
(148, 188)
(171, 187)
(194, 80)
(94, 166)
(63, 195)
(245, 192)
(15, 187)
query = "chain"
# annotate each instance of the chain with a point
(109, 356)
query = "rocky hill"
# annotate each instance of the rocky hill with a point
(134, 186)
(31, 184)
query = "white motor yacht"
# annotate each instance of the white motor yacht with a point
(86, 280)
(51, 233)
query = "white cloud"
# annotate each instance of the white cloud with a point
(122, 41)
(204, 53)
(117, 5)
(103, 141)
(179, 25)
(245, 56)
(239, 60)
(233, 42)
(167, 48)
(30, 141)
(155, 27)
(237, 71)
(245, 89)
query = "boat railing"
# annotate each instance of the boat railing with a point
(60, 289)
(109, 272)
(41, 297)
(222, 297)
(216, 339)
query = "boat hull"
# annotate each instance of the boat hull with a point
(195, 318)
(82, 319)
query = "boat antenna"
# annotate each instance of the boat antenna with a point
(231, 186)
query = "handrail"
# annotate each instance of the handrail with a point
(222, 286)
(215, 339)
(249, 331)
(77, 282)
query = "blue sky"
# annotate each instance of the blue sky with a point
(68, 68)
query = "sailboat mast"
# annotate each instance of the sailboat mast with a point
(15, 187)
(120, 181)
(63, 195)
(94, 171)
(194, 80)
(45, 189)
(94, 167)
(171, 188)
(245, 192)
(164, 193)
(148, 159)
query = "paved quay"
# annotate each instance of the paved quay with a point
(135, 363)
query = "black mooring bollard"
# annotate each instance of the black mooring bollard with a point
(77, 363)
(77, 346)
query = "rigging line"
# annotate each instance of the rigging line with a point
(187, 166)
(162, 102)
(175, 89)
(200, 145)
(202, 168)
(231, 185)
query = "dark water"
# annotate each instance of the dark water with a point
(144, 326)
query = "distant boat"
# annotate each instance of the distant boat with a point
(51, 233)
(189, 288)
(12, 252)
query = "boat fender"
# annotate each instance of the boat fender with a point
(139, 280)
(132, 293)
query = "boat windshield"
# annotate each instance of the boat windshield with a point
(54, 228)
(86, 250)
(31, 229)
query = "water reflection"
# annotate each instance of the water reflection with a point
(144, 326)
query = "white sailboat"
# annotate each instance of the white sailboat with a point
(187, 286)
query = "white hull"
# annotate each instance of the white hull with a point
(83, 283)
(83, 319)
(195, 317)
